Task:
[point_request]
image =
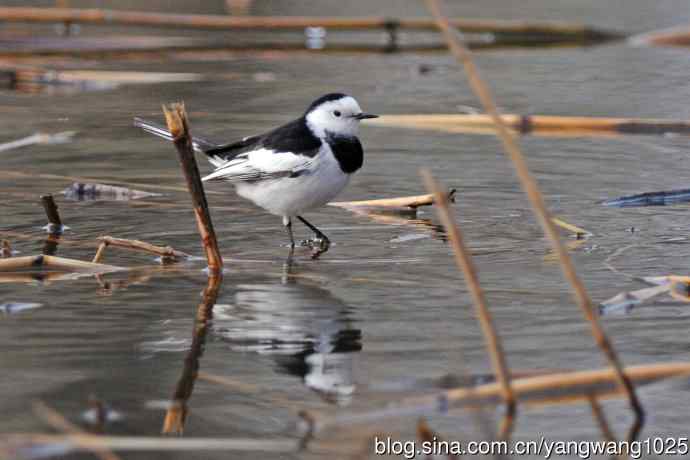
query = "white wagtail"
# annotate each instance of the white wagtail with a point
(294, 168)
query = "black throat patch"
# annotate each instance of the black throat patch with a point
(348, 151)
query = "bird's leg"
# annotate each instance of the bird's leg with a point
(320, 240)
(287, 222)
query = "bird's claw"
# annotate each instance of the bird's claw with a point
(318, 245)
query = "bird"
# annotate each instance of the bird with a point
(294, 168)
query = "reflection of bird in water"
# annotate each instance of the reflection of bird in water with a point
(304, 326)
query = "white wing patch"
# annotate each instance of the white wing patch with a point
(260, 164)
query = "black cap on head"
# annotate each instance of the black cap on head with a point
(325, 98)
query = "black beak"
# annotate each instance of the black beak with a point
(364, 116)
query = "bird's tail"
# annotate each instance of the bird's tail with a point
(200, 144)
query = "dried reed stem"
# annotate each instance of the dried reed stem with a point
(539, 391)
(57, 421)
(529, 184)
(165, 252)
(410, 202)
(100, 252)
(52, 213)
(176, 119)
(558, 29)
(150, 443)
(538, 125)
(60, 263)
(464, 262)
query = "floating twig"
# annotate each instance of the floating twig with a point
(39, 138)
(577, 231)
(529, 184)
(176, 119)
(678, 287)
(538, 125)
(57, 421)
(167, 253)
(89, 191)
(402, 203)
(545, 390)
(662, 198)
(464, 263)
(59, 263)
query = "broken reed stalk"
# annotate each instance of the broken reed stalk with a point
(539, 125)
(57, 421)
(464, 262)
(52, 214)
(405, 202)
(176, 415)
(5, 249)
(529, 184)
(167, 253)
(576, 32)
(176, 119)
(540, 391)
(58, 263)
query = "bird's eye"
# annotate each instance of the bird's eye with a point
(337, 113)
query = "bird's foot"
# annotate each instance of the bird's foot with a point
(319, 244)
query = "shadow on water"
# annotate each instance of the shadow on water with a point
(304, 327)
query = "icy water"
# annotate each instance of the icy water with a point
(385, 307)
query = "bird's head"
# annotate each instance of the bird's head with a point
(335, 114)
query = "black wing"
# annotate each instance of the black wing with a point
(295, 137)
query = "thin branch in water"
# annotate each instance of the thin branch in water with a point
(403, 202)
(464, 262)
(529, 184)
(167, 253)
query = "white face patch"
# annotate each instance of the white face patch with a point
(336, 117)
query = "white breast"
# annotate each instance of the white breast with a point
(291, 196)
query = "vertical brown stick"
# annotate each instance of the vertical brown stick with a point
(52, 213)
(529, 184)
(176, 118)
(463, 260)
